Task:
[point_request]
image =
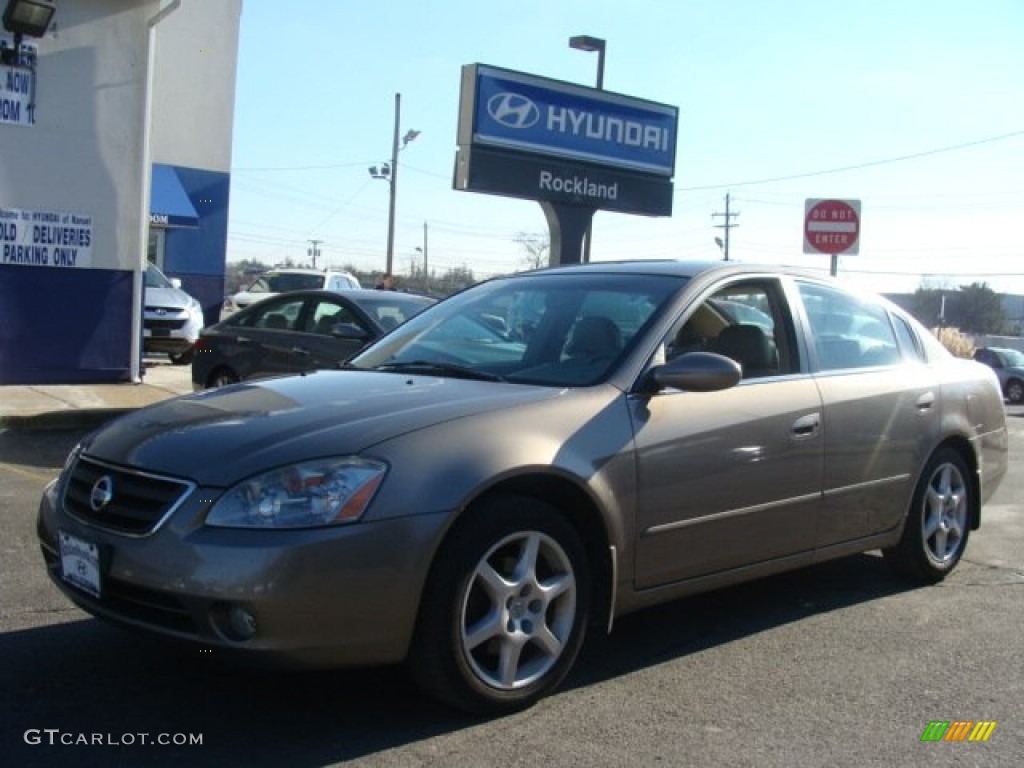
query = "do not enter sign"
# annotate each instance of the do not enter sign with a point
(832, 226)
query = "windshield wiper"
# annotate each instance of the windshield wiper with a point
(443, 369)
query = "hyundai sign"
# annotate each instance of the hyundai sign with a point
(520, 112)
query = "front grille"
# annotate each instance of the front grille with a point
(170, 325)
(138, 501)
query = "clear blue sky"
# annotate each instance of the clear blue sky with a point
(924, 97)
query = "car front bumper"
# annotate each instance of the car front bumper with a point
(338, 596)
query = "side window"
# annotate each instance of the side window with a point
(326, 315)
(279, 316)
(848, 331)
(745, 321)
(909, 343)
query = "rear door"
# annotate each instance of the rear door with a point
(263, 341)
(881, 410)
(730, 478)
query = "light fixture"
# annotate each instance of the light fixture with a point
(28, 17)
(22, 18)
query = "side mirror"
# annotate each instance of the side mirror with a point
(176, 282)
(349, 331)
(693, 372)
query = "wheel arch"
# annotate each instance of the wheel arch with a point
(580, 510)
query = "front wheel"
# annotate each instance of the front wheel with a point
(183, 358)
(939, 521)
(221, 377)
(503, 614)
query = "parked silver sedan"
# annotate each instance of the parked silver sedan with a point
(486, 485)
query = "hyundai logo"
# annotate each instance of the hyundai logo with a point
(102, 493)
(512, 110)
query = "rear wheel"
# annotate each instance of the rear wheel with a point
(939, 520)
(503, 614)
(1015, 390)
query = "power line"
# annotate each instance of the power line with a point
(858, 166)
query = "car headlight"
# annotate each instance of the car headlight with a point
(310, 494)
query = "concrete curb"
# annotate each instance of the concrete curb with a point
(79, 418)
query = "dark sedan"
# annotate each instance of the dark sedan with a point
(297, 332)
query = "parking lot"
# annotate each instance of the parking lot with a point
(839, 664)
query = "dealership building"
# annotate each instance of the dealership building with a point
(116, 120)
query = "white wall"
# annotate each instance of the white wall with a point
(194, 85)
(84, 153)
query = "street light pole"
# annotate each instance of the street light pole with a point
(588, 43)
(389, 173)
(393, 186)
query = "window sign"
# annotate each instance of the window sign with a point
(45, 238)
(17, 86)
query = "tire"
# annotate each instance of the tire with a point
(221, 378)
(1015, 391)
(938, 522)
(183, 358)
(504, 611)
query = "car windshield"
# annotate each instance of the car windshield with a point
(1012, 358)
(394, 309)
(282, 282)
(156, 279)
(556, 329)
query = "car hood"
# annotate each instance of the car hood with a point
(219, 436)
(169, 298)
(244, 298)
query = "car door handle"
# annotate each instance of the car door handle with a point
(807, 426)
(300, 351)
(926, 401)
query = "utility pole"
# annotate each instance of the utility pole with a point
(724, 245)
(426, 274)
(314, 250)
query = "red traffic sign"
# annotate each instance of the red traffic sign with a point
(832, 226)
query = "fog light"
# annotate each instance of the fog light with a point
(234, 621)
(243, 623)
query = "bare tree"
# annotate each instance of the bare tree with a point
(537, 248)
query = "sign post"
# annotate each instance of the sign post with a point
(832, 227)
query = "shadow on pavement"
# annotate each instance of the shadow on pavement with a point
(85, 677)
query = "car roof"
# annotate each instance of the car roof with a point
(305, 271)
(689, 268)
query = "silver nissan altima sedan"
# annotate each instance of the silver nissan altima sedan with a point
(525, 461)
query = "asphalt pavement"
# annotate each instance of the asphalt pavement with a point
(74, 406)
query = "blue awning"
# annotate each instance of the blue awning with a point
(169, 205)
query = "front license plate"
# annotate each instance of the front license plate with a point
(80, 563)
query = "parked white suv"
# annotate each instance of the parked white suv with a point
(282, 280)
(172, 318)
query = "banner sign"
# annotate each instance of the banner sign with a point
(512, 110)
(538, 178)
(45, 238)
